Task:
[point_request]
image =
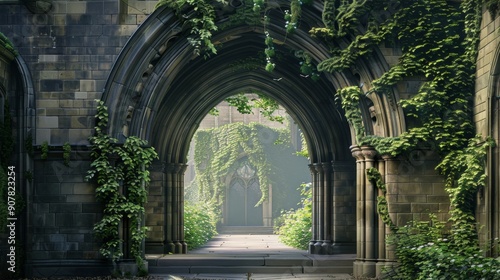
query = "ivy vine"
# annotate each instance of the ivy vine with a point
(440, 46)
(382, 207)
(122, 176)
(199, 17)
(245, 105)
(66, 153)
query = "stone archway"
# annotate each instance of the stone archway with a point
(159, 90)
(488, 210)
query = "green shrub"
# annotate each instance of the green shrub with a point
(427, 250)
(294, 226)
(199, 224)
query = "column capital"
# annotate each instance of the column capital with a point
(327, 167)
(369, 153)
(357, 153)
(387, 157)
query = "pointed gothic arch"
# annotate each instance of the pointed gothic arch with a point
(159, 90)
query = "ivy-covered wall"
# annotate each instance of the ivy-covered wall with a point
(269, 151)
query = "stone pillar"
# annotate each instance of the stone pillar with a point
(370, 208)
(322, 193)
(315, 210)
(386, 252)
(366, 214)
(327, 246)
(174, 209)
(382, 228)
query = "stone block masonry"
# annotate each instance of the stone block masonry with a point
(70, 51)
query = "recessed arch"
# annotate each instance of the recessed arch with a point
(490, 198)
(160, 90)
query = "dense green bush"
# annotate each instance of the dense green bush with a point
(294, 226)
(199, 224)
(427, 250)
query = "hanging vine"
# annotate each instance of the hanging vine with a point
(218, 149)
(199, 17)
(382, 208)
(122, 176)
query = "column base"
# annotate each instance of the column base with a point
(169, 248)
(364, 269)
(329, 248)
(372, 269)
(344, 248)
(154, 247)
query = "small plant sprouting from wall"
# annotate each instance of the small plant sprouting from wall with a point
(28, 144)
(66, 153)
(122, 176)
(44, 149)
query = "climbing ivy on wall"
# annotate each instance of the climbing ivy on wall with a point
(218, 149)
(440, 46)
(245, 104)
(439, 42)
(199, 16)
(122, 176)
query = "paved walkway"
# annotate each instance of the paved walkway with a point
(235, 256)
(246, 244)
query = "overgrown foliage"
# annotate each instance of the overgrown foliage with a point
(294, 226)
(428, 250)
(199, 17)
(200, 222)
(439, 43)
(218, 149)
(122, 176)
(245, 103)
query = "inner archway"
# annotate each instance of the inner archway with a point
(159, 90)
(243, 166)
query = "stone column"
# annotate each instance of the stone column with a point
(360, 209)
(174, 209)
(370, 208)
(366, 214)
(322, 193)
(315, 211)
(382, 229)
(327, 246)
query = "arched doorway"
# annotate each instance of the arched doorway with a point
(243, 193)
(488, 210)
(159, 90)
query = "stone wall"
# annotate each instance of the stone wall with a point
(487, 117)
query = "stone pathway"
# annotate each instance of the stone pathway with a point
(246, 244)
(235, 256)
